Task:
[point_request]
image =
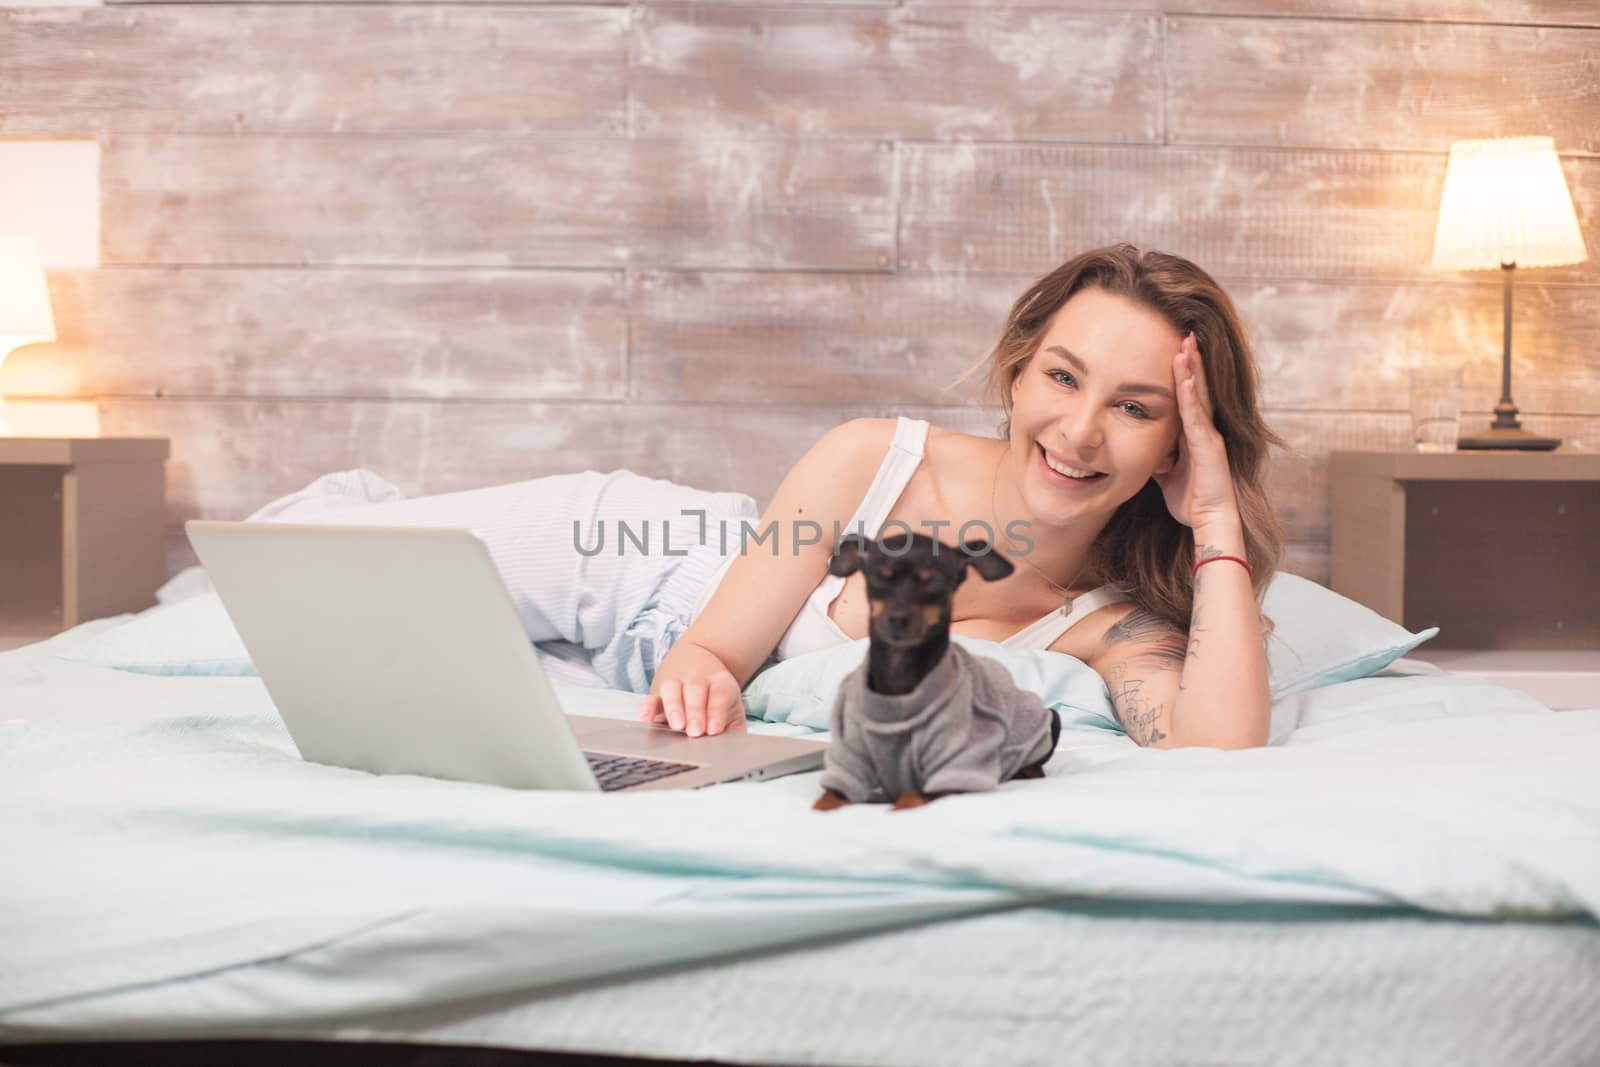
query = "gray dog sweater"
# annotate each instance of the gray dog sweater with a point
(965, 728)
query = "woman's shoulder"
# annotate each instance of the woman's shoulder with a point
(951, 478)
(846, 445)
(958, 445)
(863, 434)
(829, 479)
(875, 433)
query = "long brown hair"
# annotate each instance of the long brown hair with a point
(1143, 550)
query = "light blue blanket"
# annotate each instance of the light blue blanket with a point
(165, 851)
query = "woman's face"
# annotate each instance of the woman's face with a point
(1097, 396)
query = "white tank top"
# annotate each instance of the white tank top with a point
(813, 629)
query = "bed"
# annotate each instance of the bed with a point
(1409, 874)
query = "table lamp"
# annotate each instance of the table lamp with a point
(1506, 205)
(25, 317)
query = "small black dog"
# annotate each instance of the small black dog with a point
(911, 582)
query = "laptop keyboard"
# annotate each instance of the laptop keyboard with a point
(620, 772)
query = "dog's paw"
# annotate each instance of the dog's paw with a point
(828, 801)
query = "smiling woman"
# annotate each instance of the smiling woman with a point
(1099, 369)
(1128, 313)
(1131, 459)
(1127, 461)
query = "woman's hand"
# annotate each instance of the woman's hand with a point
(1199, 489)
(696, 704)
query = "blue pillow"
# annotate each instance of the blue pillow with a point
(1320, 638)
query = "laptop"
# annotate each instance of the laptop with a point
(397, 650)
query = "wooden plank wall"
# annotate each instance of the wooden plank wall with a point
(466, 243)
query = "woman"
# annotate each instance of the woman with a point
(1127, 484)
(1126, 462)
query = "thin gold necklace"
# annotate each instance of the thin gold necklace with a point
(994, 488)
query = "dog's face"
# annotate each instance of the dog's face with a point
(911, 580)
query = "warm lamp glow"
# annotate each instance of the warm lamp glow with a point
(1506, 201)
(50, 418)
(25, 317)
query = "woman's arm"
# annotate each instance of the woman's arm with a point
(1204, 688)
(1207, 686)
(1224, 699)
(698, 684)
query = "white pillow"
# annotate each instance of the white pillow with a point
(190, 636)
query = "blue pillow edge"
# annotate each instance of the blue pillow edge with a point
(1363, 666)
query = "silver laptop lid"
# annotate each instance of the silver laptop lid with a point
(394, 650)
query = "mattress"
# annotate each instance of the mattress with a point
(1083, 983)
(1126, 938)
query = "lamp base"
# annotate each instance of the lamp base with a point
(1502, 438)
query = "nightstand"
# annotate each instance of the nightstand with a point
(1500, 550)
(81, 522)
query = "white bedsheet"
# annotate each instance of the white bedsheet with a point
(175, 863)
(1093, 984)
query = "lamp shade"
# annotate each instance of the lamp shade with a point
(25, 317)
(1506, 201)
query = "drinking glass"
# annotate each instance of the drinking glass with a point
(1435, 408)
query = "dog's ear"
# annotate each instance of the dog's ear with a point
(846, 559)
(991, 565)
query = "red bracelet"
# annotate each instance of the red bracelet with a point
(1213, 559)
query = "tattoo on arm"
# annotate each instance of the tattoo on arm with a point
(1166, 644)
(1161, 646)
(1135, 714)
